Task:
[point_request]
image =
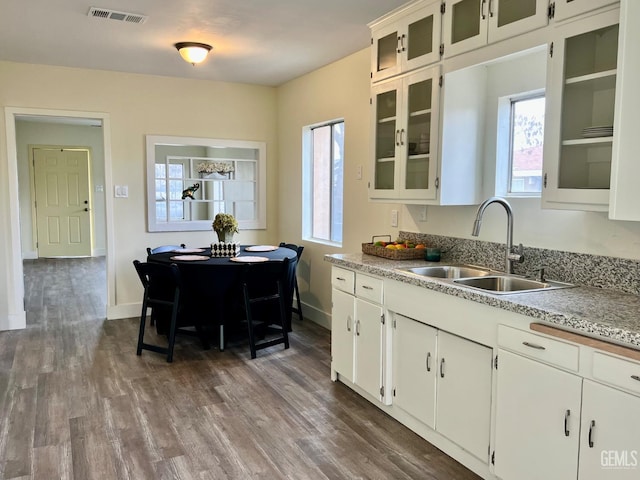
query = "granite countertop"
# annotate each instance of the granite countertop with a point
(608, 315)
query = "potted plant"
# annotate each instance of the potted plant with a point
(225, 225)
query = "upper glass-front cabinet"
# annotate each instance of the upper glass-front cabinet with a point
(405, 141)
(579, 130)
(470, 24)
(564, 9)
(405, 40)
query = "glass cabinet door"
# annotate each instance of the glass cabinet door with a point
(419, 115)
(386, 104)
(578, 143)
(465, 26)
(564, 9)
(508, 18)
(406, 43)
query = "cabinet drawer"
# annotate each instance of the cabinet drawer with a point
(553, 352)
(369, 288)
(616, 371)
(343, 279)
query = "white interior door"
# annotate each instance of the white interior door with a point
(63, 218)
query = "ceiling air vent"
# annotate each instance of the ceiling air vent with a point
(115, 15)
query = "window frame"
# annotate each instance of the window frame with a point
(513, 100)
(308, 184)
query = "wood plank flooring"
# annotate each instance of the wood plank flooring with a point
(77, 403)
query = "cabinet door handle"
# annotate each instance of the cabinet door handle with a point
(367, 287)
(482, 14)
(402, 46)
(567, 414)
(491, 8)
(402, 137)
(398, 47)
(358, 327)
(428, 361)
(397, 138)
(533, 345)
(348, 324)
(635, 377)
(592, 427)
(342, 279)
(442, 368)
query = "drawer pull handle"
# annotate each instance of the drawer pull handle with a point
(566, 423)
(428, 362)
(533, 345)
(636, 377)
(367, 287)
(592, 427)
(341, 279)
(442, 368)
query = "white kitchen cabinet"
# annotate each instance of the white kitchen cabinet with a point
(463, 399)
(405, 40)
(537, 420)
(414, 368)
(405, 125)
(470, 24)
(581, 428)
(342, 325)
(579, 120)
(358, 336)
(445, 382)
(564, 9)
(610, 434)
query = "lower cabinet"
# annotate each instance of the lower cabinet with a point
(358, 331)
(444, 381)
(537, 420)
(554, 424)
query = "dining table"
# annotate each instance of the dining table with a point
(211, 286)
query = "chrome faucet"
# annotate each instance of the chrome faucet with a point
(512, 255)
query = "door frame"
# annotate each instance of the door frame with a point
(17, 318)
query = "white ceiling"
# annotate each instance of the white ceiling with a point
(265, 42)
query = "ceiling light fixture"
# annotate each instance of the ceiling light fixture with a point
(193, 52)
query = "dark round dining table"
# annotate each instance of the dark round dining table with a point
(211, 287)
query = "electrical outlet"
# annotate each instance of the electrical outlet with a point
(394, 218)
(359, 172)
(423, 213)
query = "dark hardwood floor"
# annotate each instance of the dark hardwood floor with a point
(77, 403)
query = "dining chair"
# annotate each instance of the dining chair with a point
(162, 286)
(298, 249)
(164, 248)
(263, 289)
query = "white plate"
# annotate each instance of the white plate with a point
(189, 250)
(189, 258)
(261, 248)
(249, 259)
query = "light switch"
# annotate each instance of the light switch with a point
(394, 218)
(99, 188)
(121, 191)
(359, 172)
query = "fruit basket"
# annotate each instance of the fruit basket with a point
(391, 253)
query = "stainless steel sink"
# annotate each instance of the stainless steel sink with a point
(502, 284)
(449, 271)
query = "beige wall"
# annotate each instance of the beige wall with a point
(138, 105)
(339, 90)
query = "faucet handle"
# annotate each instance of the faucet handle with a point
(517, 254)
(539, 273)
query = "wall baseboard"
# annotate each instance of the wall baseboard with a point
(316, 316)
(14, 321)
(29, 255)
(126, 310)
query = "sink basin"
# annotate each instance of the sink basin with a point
(449, 271)
(509, 284)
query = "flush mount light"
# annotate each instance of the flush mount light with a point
(193, 52)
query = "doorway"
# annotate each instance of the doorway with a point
(49, 120)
